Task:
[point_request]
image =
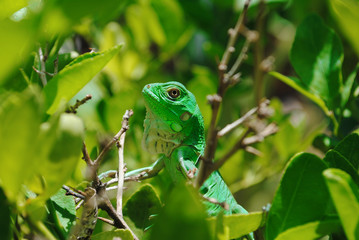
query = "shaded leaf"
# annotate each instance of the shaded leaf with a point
(335, 160)
(63, 211)
(316, 56)
(294, 204)
(345, 195)
(75, 76)
(62, 142)
(182, 217)
(4, 216)
(348, 147)
(141, 205)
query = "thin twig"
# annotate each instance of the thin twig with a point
(73, 109)
(224, 205)
(108, 221)
(69, 191)
(236, 123)
(43, 67)
(98, 160)
(121, 166)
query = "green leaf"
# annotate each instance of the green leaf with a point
(317, 57)
(346, 13)
(335, 160)
(4, 216)
(239, 224)
(16, 50)
(75, 76)
(312, 230)
(294, 203)
(182, 217)
(348, 147)
(20, 117)
(141, 205)
(345, 195)
(347, 87)
(62, 143)
(114, 234)
(300, 87)
(63, 211)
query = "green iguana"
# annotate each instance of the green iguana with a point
(174, 128)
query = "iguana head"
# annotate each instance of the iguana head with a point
(173, 118)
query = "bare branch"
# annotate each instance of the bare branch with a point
(126, 117)
(108, 221)
(224, 205)
(121, 165)
(236, 123)
(69, 191)
(73, 109)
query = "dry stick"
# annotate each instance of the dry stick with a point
(72, 109)
(99, 158)
(236, 123)
(216, 100)
(43, 67)
(121, 175)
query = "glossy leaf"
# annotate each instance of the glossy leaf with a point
(141, 205)
(335, 160)
(75, 76)
(345, 195)
(317, 57)
(20, 117)
(63, 211)
(312, 230)
(239, 224)
(348, 147)
(294, 204)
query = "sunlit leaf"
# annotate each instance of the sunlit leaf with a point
(20, 117)
(240, 224)
(312, 230)
(345, 195)
(75, 76)
(346, 13)
(114, 234)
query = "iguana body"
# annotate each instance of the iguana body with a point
(174, 128)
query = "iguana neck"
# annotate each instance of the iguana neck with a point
(159, 138)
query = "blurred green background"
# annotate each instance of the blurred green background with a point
(175, 40)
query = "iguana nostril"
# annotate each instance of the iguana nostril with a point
(148, 86)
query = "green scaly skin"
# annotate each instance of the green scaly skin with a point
(174, 129)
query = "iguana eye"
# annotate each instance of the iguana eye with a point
(174, 92)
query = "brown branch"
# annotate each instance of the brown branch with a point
(71, 192)
(236, 123)
(124, 128)
(108, 221)
(73, 109)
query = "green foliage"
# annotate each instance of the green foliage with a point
(82, 69)
(147, 41)
(345, 195)
(183, 215)
(293, 203)
(142, 205)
